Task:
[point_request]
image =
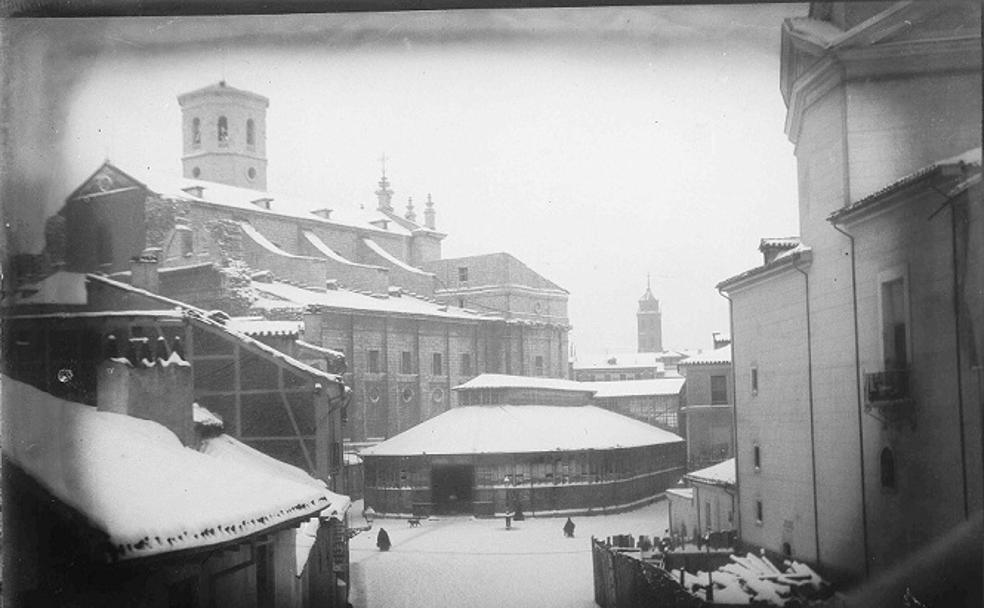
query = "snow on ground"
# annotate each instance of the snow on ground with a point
(477, 563)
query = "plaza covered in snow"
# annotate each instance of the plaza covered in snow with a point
(540, 459)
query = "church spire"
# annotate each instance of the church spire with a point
(411, 215)
(429, 214)
(385, 194)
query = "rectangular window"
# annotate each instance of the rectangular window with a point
(757, 457)
(436, 367)
(463, 274)
(758, 511)
(755, 380)
(707, 515)
(406, 362)
(538, 365)
(466, 364)
(894, 325)
(719, 390)
(374, 362)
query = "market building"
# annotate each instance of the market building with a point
(857, 345)
(530, 443)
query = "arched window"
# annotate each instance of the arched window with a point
(223, 129)
(250, 133)
(196, 132)
(887, 468)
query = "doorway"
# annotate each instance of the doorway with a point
(451, 488)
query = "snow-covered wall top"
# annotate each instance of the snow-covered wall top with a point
(499, 429)
(508, 381)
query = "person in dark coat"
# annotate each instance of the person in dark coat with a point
(569, 528)
(383, 540)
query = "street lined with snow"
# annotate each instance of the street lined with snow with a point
(477, 563)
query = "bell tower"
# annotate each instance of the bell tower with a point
(650, 323)
(224, 136)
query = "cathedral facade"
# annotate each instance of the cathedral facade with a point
(367, 281)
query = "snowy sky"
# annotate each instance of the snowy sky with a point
(597, 145)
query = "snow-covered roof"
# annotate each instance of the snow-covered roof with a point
(969, 159)
(686, 493)
(62, 287)
(622, 360)
(509, 381)
(280, 295)
(637, 388)
(784, 242)
(784, 259)
(499, 429)
(134, 481)
(395, 261)
(714, 357)
(201, 316)
(258, 326)
(284, 205)
(205, 418)
(722, 473)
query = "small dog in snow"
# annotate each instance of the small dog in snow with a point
(414, 522)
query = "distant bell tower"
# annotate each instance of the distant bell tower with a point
(224, 135)
(650, 322)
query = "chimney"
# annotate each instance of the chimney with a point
(323, 213)
(143, 270)
(429, 214)
(159, 390)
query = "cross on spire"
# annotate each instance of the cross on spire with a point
(382, 162)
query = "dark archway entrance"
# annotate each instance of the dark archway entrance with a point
(452, 487)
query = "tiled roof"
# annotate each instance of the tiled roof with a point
(502, 429)
(714, 357)
(135, 482)
(969, 159)
(785, 258)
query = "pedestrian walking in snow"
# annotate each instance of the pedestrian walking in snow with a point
(569, 528)
(509, 517)
(383, 540)
(368, 514)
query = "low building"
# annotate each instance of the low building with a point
(506, 450)
(137, 514)
(708, 407)
(707, 503)
(625, 366)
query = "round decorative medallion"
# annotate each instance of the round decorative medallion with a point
(373, 394)
(407, 394)
(437, 395)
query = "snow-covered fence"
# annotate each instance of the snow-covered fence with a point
(624, 581)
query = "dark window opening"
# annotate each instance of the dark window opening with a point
(757, 457)
(223, 129)
(437, 367)
(894, 325)
(887, 468)
(196, 132)
(538, 366)
(406, 362)
(719, 390)
(462, 273)
(374, 362)
(250, 133)
(755, 380)
(466, 364)
(786, 549)
(758, 511)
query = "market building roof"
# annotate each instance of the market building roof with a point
(720, 474)
(501, 429)
(510, 381)
(637, 388)
(132, 479)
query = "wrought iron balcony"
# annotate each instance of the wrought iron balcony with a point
(885, 389)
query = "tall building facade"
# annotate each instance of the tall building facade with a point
(855, 344)
(367, 281)
(649, 323)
